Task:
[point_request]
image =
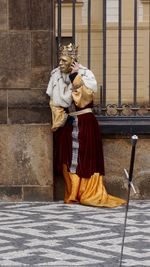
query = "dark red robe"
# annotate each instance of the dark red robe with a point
(90, 152)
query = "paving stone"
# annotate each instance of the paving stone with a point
(55, 234)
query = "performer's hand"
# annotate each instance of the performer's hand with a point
(74, 67)
(53, 130)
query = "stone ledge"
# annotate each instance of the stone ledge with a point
(26, 193)
(37, 193)
(10, 193)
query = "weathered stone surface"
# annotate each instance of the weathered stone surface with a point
(29, 115)
(11, 193)
(3, 15)
(19, 14)
(15, 66)
(25, 63)
(26, 155)
(41, 48)
(15, 78)
(28, 106)
(117, 157)
(44, 193)
(15, 50)
(29, 14)
(3, 106)
(40, 77)
(40, 14)
(142, 175)
(27, 98)
(117, 154)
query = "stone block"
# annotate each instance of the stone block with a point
(40, 77)
(37, 193)
(41, 48)
(19, 14)
(3, 106)
(15, 50)
(26, 155)
(28, 106)
(15, 78)
(11, 193)
(40, 14)
(29, 115)
(117, 153)
(142, 174)
(33, 14)
(3, 15)
(15, 60)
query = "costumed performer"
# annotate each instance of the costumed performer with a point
(78, 152)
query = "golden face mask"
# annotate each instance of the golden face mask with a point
(65, 64)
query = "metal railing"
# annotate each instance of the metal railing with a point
(118, 109)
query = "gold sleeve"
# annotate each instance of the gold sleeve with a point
(59, 116)
(82, 95)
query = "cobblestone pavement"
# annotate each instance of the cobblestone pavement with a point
(55, 234)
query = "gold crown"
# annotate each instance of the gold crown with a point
(70, 50)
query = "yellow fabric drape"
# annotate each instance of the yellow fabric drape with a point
(59, 116)
(89, 192)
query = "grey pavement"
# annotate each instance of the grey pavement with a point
(56, 234)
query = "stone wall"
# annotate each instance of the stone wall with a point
(25, 162)
(26, 57)
(26, 54)
(117, 153)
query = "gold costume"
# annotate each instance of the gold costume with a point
(79, 91)
(89, 192)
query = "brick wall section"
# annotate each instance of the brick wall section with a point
(26, 40)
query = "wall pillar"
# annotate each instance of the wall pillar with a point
(26, 59)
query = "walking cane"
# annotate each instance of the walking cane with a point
(130, 184)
